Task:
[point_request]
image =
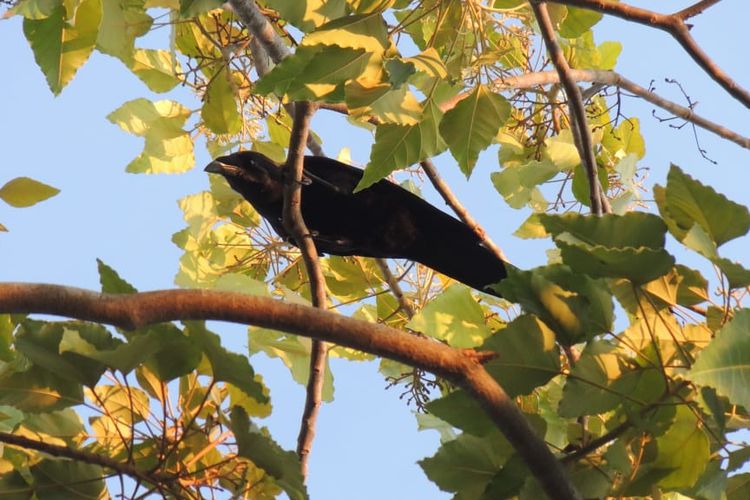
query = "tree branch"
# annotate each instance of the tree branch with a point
(393, 284)
(141, 309)
(675, 25)
(579, 125)
(158, 479)
(295, 225)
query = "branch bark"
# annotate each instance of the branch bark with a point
(295, 225)
(460, 366)
(579, 127)
(675, 25)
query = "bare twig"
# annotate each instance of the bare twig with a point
(675, 25)
(403, 302)
(450, 198)
(579, 126)
(138, 310)
(157, 479)
(529, 80)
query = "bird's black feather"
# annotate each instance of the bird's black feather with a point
(383, 220)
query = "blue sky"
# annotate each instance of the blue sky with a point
(367, 441)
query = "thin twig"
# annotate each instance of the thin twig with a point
(155, 478)
(403, 302)
(575, 103)
(675, 25)
(138, 310)
(613, 78)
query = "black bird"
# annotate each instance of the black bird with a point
(383, 220)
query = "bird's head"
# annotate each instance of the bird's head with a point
(245, 167)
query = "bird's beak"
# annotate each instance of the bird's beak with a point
(217, 167)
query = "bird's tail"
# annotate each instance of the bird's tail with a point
(464, 260)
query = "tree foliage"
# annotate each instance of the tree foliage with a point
(630, 365)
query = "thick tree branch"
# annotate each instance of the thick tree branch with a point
(159, 480)
(450, 198)
(675, 25)
(579, 127)
(141, 309)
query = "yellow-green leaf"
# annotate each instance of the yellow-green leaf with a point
(219, 110)
(158, 69)
(122, 22)
(25, 192)
(453, 316)
(140, 115)
(472, 125)
(62, 45)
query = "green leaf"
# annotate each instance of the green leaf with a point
(309, 14)
(737, 275)
(25, 192)
(111, 281)
(398, 146)
(612, 246)
(219, 111)
(191, 8)
(470, 127)
(167, 151)
(65, 424)
(467, 464)
(639, 265)
(62, 43)
(462, 411)
(293, 351)
(604, 379)
(574, 306)
(383, 102)
(158, 69)
(684, 450)
(578, 22)
(518, 184)
(453, 316)
(725, 363)
(69, 479)
(686, 202)
(33, 9)
(314, 73)
(265, 453)
(527, 355)
(122, 23)
(41, 343)
(226, 366)
(634, 229)
(361, 31)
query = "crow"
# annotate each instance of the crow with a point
(383, 220)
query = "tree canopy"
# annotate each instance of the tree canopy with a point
(616, 368)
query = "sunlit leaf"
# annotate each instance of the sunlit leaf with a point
(518, 184)
(219, 111)
(60, 44)
(684, 450)
(470, 127)
(527, 355)
(158, 69)
(25, 192)
(453, 316)
(122, 23)
(725, 363)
